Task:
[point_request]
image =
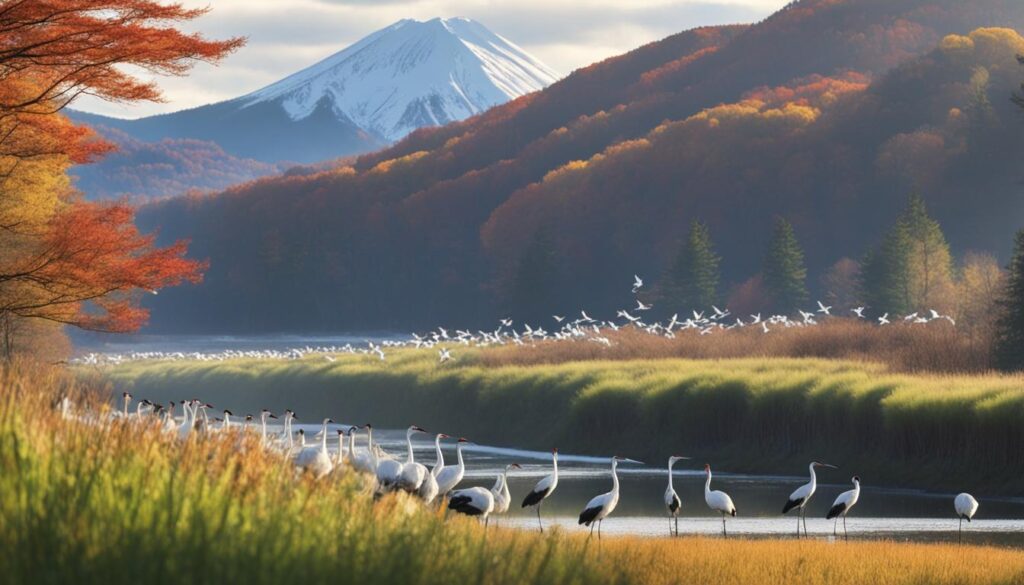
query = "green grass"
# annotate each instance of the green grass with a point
(756, 415)
(121, 502)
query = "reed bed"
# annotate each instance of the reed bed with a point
(87, 500)
(755, 415)
(937, 347)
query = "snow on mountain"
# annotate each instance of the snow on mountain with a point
(411, 74)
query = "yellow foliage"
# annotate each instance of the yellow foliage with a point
(957, 43)
(997, 45)
(387, 165)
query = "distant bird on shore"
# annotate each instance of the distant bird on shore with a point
(799, 498)
(598, 508)
(672, 501)
(543, 488)
(841, 507)
(718, 501)
(966, 507)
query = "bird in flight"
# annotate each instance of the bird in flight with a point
(637, 283)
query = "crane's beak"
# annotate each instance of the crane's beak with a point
(830, 466)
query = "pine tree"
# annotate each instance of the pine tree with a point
(912, 268)
(533, 290)
(1009, 349)
(785, 277)
(692, 279)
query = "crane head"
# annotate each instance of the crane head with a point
(228, 412)
(856, 479)
(443, 436)
(830, 466)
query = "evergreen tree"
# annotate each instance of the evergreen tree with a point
(785, 277)
(912, 268)
(692, 279)
(1009, 350)
(534, 287)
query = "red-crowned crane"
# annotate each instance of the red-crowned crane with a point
(672, 501)
(450, 476)
(718, 501)
(799, 498)
(543, 488)
(966, 507)
(601, 506)
(842, 505)
(429, 489)
(411, 477)
(502, 497)
(474, 501)
(316, 459)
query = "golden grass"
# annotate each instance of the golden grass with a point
(740, 562)
(936, 347)
(121, 502)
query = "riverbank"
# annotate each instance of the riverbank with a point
(747, 415)
(93, 499)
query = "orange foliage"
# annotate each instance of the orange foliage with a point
(65, 260)
(87, 268)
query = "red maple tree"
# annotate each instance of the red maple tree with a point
(63, 259)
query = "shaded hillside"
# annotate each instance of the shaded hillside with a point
(165, 168)
(395, 240)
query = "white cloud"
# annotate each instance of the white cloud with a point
(287, 36)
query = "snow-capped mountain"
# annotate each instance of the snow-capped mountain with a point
(412, 74)
(406, 76)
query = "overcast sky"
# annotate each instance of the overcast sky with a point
(288, 35)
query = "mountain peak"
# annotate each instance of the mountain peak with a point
(411, 74)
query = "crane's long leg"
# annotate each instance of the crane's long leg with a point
(835, 526)
(803, 512)
(960, 531)
(539, 523)
(677, 525)
(670, 525)
(846, 535)
(487, 521)
(798, 523)
(724, 533)
(591, 530)
(599, 529)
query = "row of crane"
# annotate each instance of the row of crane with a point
(439, 483)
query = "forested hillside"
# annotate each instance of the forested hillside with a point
(828, 113)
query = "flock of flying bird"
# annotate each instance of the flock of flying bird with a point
(579, 329)
(439, 483)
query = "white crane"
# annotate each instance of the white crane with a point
(388, 469)
(411, 477)
(364, 461)
(841, 507)
(438, 454)
(543, 488)
(474, 501)
(672, 501)
(966, 507)
(802, 495)
(449, 476)
(718, 501)
(637, 283)
(339, 459)
(598, 508)
(316, 460)
(502, 497)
